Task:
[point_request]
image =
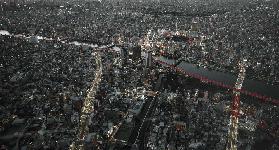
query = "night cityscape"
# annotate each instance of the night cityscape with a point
(139, 75)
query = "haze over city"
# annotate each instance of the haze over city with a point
(139, 74)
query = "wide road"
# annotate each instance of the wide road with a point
(89, 100)
(88, 106)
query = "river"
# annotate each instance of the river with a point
(253, 86)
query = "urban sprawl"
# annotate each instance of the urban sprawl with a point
(139, 74)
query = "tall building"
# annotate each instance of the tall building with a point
(147, 63)
(194, 31)
(136, 52)
(124, 55)
(194, 26)
(148, 59)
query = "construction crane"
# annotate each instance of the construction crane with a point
(235, 108)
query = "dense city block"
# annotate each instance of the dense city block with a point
(139, 74)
